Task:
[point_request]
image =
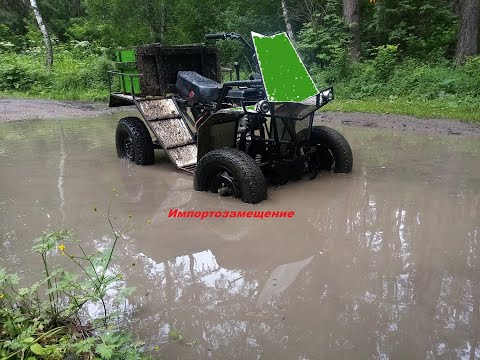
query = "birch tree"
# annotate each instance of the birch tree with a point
(288, 23)
(44, 31)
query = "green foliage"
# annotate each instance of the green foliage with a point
(21, 72)
(468, 110)
(5, 33)
(322, 41)
(406, 52)
(240, 17)
(385, 60)
(472, 67)
(74, 74)
(408, 87)
(412, 80)
(177, 336)
(423, 29)
(49, 319)
(80, 72)
(13, 16)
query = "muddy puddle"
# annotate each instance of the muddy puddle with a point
(381, 263)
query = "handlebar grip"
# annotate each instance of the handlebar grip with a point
(221, 36)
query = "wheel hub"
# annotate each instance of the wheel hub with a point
(226, 185)
(319, 157)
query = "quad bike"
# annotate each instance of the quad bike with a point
(234, 136)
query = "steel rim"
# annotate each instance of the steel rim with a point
(321, 156)
(224, 183)
(326, 160)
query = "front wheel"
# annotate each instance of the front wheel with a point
(332, 150)
(133, 141)
(231, 172)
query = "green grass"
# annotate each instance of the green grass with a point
(467, 111)
(100, 95)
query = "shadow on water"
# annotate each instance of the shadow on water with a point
(380, 263)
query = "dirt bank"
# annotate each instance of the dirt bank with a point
(27, 109)
(401, 122)
(24, 109)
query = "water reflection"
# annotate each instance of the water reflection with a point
(382, 263)
(392, 272)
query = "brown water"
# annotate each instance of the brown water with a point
(381, 263)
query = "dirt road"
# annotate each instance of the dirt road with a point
(28, 109)
(23, 109)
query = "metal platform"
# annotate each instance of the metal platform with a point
(170, 127)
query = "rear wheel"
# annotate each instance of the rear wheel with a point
(231, 172)
(133, 141)
(332, 150)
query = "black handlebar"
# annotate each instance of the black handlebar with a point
(221, 36)
(224, 35)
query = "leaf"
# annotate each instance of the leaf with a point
(14, 279)
(23, 291)
(37, 349)
(105, 351)
(192, 343)
(3, 274)
(19, 319)
(84, 346)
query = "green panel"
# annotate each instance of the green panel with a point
(126, 55)
(125, 63)
(284, 75)
(127, 81)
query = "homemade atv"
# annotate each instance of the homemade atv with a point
(234, 136)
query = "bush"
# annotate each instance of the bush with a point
(322, 41)
(74, 75)
(21, 73)
(78, 73)
(49, 319)
(385, 61)
(383, 77)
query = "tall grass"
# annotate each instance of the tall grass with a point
(76, 75)
(384, 84)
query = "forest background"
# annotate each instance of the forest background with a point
(417, 57)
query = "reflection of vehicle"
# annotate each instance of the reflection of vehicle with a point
(235, 136)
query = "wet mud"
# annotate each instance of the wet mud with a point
(380, 263)
(27, 109)
(403, 123)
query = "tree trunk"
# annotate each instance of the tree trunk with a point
(457, 7)
(155, 17)
(163, 9)
(351, 15)
(43, 29)
(467, 42)
(288, 24)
